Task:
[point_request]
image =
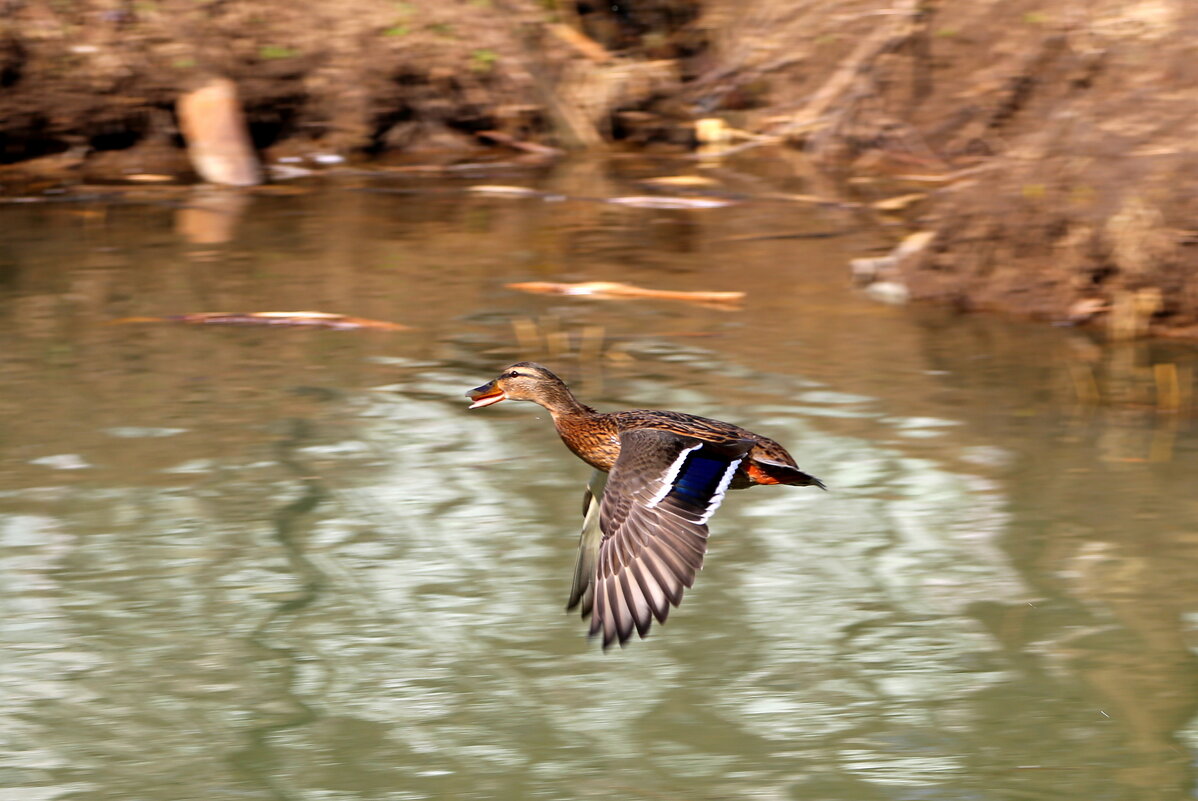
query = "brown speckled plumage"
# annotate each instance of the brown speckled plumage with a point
(668, 474)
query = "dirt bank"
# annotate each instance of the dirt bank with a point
(1048, 144)
(356, 75)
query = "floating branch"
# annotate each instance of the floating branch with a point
(652, 202)
(607, 290)
(500, 190)
(309, 319)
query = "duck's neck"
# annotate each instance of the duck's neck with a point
(562, 404)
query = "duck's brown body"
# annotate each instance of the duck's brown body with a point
(643, 544)
(594, 437)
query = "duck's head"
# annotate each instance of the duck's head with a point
(520, 381)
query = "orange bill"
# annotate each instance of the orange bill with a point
(485, 395)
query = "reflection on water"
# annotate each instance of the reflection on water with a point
(289, 564)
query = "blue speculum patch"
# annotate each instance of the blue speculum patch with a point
(699, 478)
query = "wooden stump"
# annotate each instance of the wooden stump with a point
(218, 141)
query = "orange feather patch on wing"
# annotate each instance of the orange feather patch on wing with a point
(759, 476)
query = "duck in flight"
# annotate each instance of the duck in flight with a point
(643, 543)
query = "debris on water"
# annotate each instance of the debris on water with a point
(913, 244)
(142, 432)
(686, 181)
(192, 466)
(792, 235)
(504, 191)
(287, 172)
(149, 178)
(899, 202)
(891, 292)
(717, 139)
(62, 461)
(535, 148)
(311, 319)
(607, 290)
(650, 202)
(816, 200)
(867, 270)
(943, 178)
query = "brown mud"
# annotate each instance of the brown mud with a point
(1048, 144)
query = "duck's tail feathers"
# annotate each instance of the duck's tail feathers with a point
(767, 471)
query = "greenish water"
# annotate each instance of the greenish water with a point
(269, 563)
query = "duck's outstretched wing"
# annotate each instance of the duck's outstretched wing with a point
(653, 519)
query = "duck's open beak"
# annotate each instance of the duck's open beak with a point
(485, 395)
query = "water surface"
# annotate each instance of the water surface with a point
(288, 564)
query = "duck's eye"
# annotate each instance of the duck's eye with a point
(513, 374)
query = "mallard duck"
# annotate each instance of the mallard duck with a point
(643, 543)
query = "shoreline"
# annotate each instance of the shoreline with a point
(1048, 152)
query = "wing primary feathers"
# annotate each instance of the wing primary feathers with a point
(611, 620)
(685, 559)
(598, 612)
(665, 556)
(651, 589)
(667, 582)
(637, 604)
(686, 542)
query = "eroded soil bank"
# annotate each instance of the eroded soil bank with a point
(1049, 144)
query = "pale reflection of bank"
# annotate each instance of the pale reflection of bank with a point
(211, 214)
